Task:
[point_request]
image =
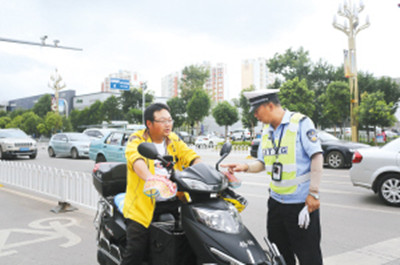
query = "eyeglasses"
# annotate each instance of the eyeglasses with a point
(165, 122)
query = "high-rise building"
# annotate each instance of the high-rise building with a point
(255, 72)
(133, 78)
(217, 84)
(170, 85)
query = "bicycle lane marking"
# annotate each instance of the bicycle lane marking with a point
(58, 225)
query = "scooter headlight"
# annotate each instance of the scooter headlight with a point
(228, 221)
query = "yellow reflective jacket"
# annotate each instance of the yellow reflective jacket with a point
(137, 206)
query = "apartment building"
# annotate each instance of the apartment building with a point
(170, 85)
(255, 72)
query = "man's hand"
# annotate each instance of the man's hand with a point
(312, 203)
(235, 167)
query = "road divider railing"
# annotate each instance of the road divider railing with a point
(65, 186)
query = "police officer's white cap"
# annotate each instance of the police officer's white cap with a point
(257, 97)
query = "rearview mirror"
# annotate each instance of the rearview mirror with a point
(226, 149)
(148, 150)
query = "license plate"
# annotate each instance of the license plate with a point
(24, 149)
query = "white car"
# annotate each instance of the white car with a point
(240, 135)
(378, 168)
(207, 141)
(14, 142)
(97, 133)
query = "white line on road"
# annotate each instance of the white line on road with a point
(376, 254)
(369, 209)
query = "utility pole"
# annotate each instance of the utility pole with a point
(351, 28)
(144, 87)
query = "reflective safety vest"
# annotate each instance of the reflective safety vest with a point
(286, 156)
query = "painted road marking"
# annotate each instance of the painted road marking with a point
(47, 229)
(377, 254)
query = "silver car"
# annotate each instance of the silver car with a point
(75, 145)
(14, 142)
(378, 168)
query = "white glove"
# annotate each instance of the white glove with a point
(304, 218)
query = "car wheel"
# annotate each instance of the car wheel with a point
(51, 152)
(33, 156)
(74, 153)
(100, 158)
(211, 145)
(389, 189)
(335, 159)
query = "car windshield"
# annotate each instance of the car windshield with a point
(392, 145)
(78, 137)
(13, 134)
(324, 136)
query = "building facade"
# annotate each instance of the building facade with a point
(170, 85)
(65, 97)
(256, 73)
(217, 83)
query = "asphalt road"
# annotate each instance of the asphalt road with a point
(357, 228)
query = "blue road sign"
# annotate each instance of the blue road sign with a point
(118, 83)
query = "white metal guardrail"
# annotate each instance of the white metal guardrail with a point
(63, 185)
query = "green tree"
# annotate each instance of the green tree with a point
(94, 114)
(194, 78)
(111, 109)
(178, 111)
(4, 121)
(374, 111)
(335, 101)
(248, 119)
(295, 96)
(66, 124)
(134, 116)
(3, 113)
(291, 64)
(198, 107)
(52, 124)
(30, 123)
(131, 99)
(43, 105)
(16, 122)
(225, 115)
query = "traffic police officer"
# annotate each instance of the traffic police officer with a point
(292, 155)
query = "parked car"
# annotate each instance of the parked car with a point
(337, 153)
(110, 148)
(378, 169)
(14, 142)
(71, 144)
(98, 133)
(240, 135)
(207, 141)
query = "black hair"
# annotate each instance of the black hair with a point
(149, 111)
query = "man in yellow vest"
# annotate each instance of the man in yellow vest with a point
(292, 156)
(139, 209)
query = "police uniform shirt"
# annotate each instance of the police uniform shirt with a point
(307, 144)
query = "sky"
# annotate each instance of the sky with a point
(158, 37)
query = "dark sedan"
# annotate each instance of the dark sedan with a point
(337, 153)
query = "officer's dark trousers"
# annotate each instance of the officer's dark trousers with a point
(138, 236)
(291, 240)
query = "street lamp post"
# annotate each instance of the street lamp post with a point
(351, 28)
(57, 84)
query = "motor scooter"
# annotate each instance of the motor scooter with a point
(209, 230)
